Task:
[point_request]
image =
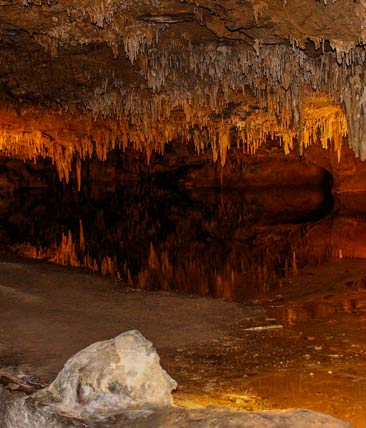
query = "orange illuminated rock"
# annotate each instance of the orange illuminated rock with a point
(78, 79)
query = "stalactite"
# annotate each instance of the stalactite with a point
(354, 102)
(49, 43)
(185, 95)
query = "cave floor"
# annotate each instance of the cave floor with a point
(303, 346)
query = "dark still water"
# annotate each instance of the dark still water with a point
(306, 349)
(235, 244)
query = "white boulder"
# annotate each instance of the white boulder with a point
(110, 377)
(120, 383)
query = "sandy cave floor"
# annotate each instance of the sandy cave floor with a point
(310, 354)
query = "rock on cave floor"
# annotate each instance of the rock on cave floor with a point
(302, 347)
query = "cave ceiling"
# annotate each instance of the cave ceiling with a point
(78, 78)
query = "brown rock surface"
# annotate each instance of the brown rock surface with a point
(50, 312)
(86, 77)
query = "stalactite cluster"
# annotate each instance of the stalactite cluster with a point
(175, 74)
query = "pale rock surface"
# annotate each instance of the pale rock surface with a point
(24, 412)
(119, 383)
(110, 377)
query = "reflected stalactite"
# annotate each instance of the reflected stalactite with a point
(293, 314)
(67, 253)
(234, 279)
(338, 238)
(223, 244)
(235, 244)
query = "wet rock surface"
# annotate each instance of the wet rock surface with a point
(119, 382)
(220, 357)
(26, 413)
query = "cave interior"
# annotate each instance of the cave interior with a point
(209, 147)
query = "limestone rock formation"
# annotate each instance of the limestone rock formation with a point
(109, 377)
(120, 383)
(81, 79)
(20, 413)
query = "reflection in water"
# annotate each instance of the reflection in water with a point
(341, 235)
(340, 395)
(317, 309)
(233, 244)
(338, 237)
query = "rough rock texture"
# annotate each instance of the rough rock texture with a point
(349, 175)
(109, 377)
(26, 413)
(119, 383)
(80, 79)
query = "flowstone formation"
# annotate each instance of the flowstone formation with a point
(84, 78)
(120, 383)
